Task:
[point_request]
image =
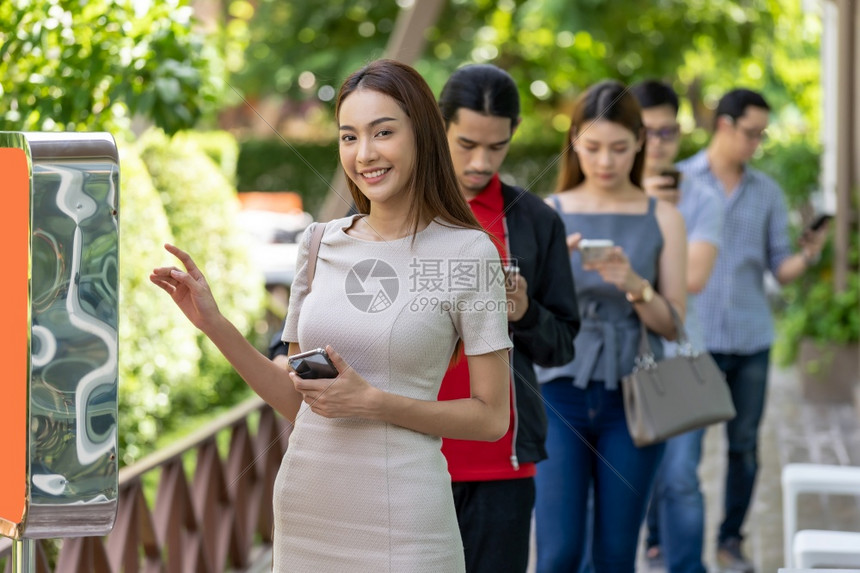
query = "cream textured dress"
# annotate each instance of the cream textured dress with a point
(356, 495)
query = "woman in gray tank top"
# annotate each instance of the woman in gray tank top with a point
(599, 197)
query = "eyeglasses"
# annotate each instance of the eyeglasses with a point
(664, 134)
(750, 133)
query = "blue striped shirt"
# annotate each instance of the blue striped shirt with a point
(733, 308)
(702, 210)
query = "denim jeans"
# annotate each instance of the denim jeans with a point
(746, 375)
(676, 515)
(588, 443)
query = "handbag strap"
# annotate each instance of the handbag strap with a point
(646, 353)
(313, 251)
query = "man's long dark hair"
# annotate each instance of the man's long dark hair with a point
(482, 88)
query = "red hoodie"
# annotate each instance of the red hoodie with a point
(471, 460)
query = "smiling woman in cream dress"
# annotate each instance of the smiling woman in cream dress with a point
(363, 485)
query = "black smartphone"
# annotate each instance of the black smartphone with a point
(819, 221)
(675, 175)
(313, 364)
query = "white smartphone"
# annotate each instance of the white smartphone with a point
(593, 250)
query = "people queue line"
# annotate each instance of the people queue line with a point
(443, 433)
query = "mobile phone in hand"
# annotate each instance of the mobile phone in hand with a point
(511, 271)
(594, 250)
(674, 174)
(313, 364)
(819, 221)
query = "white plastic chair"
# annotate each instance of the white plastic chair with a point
(817, 548)
(817, 478)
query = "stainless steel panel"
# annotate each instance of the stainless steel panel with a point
(73, 344)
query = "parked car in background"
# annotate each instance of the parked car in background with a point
(275, 221)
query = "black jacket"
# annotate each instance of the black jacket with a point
(544, 335)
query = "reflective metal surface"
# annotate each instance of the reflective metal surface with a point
(72, 473)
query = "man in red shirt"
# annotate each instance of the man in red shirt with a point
(493, 482)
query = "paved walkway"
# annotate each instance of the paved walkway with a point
(793, 430)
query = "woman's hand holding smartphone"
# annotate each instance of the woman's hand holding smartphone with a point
(610, 262)
(664, 186)
(331, 387)
(595, 250)
(313, 364)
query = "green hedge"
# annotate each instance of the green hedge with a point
(169, 373)
(796, 166)
(534, 166)
(221, 147)
(307, 168)
(272, 165)
(158, 349)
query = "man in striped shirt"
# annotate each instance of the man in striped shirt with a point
(733, 308)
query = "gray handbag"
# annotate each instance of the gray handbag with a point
(676, 395)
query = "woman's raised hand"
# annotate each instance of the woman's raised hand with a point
(188, 289)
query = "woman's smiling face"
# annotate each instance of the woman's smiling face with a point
(376, 145)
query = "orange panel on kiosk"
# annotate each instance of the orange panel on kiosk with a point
(14, 351)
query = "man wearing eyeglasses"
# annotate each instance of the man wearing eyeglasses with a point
(676, 516)
(732, 307)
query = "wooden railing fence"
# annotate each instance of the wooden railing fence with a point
(219, 520)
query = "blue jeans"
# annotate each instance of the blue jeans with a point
(588, 443)
(746, 375)
(676, 516)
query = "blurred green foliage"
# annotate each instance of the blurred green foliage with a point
(71, 65)
(271, 165)
(553, 48)
(202, 207)
(796, 166)
(173, 192)
(157, 345)
(533, 165)
(814, 310)
(221, 147)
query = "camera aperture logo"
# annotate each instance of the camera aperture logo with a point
(372, 285)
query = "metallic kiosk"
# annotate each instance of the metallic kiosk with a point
(59, 249)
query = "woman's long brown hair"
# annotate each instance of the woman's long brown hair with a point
(433, 183)
(611, 101)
